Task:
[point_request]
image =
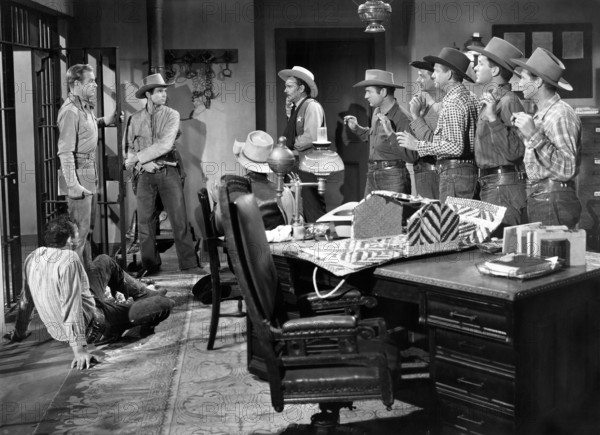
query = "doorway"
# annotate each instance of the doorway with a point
(338, 58)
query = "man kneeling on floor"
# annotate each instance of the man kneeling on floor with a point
(73, 305)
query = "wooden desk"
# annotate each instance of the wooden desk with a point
(507, 356)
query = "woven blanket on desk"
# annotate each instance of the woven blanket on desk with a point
(478, 219)
(383, 213)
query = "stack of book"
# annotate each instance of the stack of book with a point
(520, 266)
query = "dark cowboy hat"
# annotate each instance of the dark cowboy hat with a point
(149, 83)
(421, 64)
(304, 75)
(453, 59)
(377, 77)
(546, 66)
(500, 51)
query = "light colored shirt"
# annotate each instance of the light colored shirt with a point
(151, 132)
(55, 282)
(423, 127)
(313, 119)
(454, 135)
(554, 150)
(78, 142)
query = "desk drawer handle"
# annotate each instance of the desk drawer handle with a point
(473, 384)
(468, 420)
(463, 316)
(467, 345)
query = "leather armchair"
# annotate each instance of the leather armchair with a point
(332, 360)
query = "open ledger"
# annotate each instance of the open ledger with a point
(520, 266)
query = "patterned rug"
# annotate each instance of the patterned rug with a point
(169, 383)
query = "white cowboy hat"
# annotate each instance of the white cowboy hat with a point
(253, 153)
(149, 83)
(303, 74)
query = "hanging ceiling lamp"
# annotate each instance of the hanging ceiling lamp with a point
(374, 12)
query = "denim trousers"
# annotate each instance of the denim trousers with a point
(395, 179)
(83, 210)
(507, 190)
(560, 207)
(459, 180)
(118, 317)
(168, 183)
(427, 184)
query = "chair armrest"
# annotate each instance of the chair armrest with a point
(308, 324)
(346, 301)
(373, 328)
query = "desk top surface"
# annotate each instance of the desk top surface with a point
(458, 271)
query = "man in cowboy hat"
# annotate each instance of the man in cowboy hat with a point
(424, 110)
(77, 144)
(306, 117)
(454, 137)
(387, 162)
(252, 156)
(552, 142)
(498, 146)
(150, 146)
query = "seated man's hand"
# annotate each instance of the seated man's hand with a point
(14, 337)
(82, 358)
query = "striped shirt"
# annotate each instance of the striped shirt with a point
(499, 143)
(554, 150)
(55, 282)
(454, 136)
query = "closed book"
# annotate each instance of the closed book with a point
(520, 264)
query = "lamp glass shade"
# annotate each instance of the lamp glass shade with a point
(321, 161)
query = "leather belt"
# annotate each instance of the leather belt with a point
(548, 185)
(380, 164)
(443, 164)
(505, 169)
(424, 167)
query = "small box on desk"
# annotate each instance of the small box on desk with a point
(530, 238)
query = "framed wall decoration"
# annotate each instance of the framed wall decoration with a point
(572, 43)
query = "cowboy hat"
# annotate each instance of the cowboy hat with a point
(377, 77)
(500, 51)
(149, 83)
(421, 64)
(453, 59)
(304, 75)
(546, 66)
(253, 153)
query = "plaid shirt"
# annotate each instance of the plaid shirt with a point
(498, 143)
(454, 135)
(554, 150)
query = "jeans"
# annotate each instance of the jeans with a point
(427, 184)
(459, 180)
(83, 210)
(166, 181)
(395, 179)
(118, 317)
(507, 190)
(554, 208)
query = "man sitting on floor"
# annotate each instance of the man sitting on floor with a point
(72, 305)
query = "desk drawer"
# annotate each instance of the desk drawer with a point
(464, 418)
(453, 345)
(468, 315)
(478, 384)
